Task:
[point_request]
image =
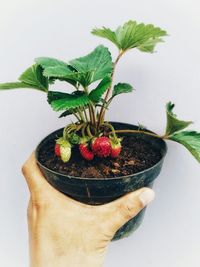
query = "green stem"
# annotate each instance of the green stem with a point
(88, 131)
(64, 133)
(138, 131)
(113, 132)
(81, 115)
(78, 118)
(83, 130)
(93, 115)
(86, 117)
(103, 110)
(91, 109)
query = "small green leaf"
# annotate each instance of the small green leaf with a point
(34, 76)
(47, 62)
(56, 69)
(14, 85)
(106, 33)
(96, 94)
(73, 77)
(149, 46)
(121, 88)
(59, 72)
(173, 124)
(98, 61)
(63, 101)
(133, 35)
(190, 139)
(67, 113)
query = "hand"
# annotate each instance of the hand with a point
(66, 233)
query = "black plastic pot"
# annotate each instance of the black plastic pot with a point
(95, 191)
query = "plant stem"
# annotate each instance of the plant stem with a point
(85, 113)
(83, 130)
(102, 111)
(64, 133)
(76, 115)
(139, 131)
(93, 115)
(81, 115)
(91, 109)
(88, 131)
(113, 132)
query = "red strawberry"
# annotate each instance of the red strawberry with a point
(86, 153)
(57, 150)
(116, 147)
(101, 146)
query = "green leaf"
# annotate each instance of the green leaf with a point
(73, 77)
(96, 94)
(56, 69)
(84, 70)
(59, 72)
(191, 140)
(34, 76)
(63, 101)
(67, 113)
(133, 35)
(99, 62)
(106, 33)
(149, 46)
(173, 124)
(121, 88)
(47, 62)
(14, 85)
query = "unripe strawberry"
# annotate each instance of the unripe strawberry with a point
(86, 153)
(101, 146)
(115, 151)
(63, 149)
(74, 139)
(116, 147)
(65, 153)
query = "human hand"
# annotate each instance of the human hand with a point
(64, 232)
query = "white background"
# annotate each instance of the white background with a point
(170, 234)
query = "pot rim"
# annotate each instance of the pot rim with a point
(104, 178)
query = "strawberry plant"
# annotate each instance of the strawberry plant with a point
(89, 102)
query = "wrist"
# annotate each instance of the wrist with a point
(49, 258)
(49, 251)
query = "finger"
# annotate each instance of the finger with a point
(33, 175)
(125, 208)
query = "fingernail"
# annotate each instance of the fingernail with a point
(147, 196)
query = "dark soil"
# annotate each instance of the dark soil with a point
(137, 155)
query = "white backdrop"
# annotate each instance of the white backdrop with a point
(170, 234)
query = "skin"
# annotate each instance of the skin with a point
(66, 233)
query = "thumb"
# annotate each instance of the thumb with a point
(125, 208)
